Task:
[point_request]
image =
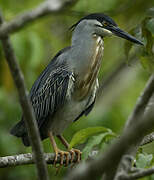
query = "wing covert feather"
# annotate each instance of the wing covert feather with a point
(49, 97)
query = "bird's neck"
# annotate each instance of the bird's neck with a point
(84, 46)
(86, 59)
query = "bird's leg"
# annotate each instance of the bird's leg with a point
(58, 151)
(72, 151)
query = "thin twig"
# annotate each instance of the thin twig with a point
(139, 174)
(46, 8)
(26, 107)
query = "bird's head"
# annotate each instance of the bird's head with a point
(104, 26)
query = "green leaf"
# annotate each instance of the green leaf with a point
(144, 160)
(127, 48)
(147, 63)
(147, 56)
(83, 134)
(95, 140)
(147, 34)
(150, 25)
(128, 45)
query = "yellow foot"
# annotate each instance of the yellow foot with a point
(77, 152)
(62, 155)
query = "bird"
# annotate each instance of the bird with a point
(66, 89)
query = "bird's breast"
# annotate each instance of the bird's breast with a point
(86, 81)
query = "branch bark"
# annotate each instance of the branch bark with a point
(26, 107)
(139, 174)
(25, 159)
(111, 158)
(148, 139)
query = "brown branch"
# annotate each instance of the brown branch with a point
(26, 107)
(46, 8)
(110, 159)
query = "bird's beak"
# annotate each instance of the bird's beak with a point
(118, 32)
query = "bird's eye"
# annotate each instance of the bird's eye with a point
(105, 24)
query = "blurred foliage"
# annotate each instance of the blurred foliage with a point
(37, 43)
(82, 135)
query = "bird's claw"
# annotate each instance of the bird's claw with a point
(62, 155)
(72, 155)
(77, 152)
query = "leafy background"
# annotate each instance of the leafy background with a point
(37, 43)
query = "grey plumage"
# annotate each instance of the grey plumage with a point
(67, 88)
(47, 94)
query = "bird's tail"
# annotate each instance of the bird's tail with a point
(19, 130)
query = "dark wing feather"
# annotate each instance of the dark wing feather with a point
(45, 101)
(51, 67)
(47, 94)
(51, 95)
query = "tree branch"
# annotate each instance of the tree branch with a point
(144, 103)
(26, 107)
(150, 137)
(25, 159)
(109, 80)
(46, 8)
(147, 139)
(139, 111)
(111, 158)
(141, 102)
(139, 174)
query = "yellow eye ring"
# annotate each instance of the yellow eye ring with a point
(105, 23)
